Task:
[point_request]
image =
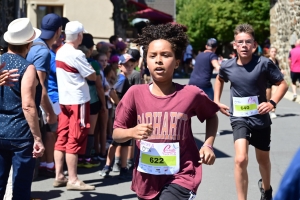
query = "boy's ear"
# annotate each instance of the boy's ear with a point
(255, 45)
(177, 64)
(234, 45)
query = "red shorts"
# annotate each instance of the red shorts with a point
(73, 128)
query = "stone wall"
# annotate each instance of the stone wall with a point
(284, 28)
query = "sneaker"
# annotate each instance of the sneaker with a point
(101, 157)
(60, 183)
(265, 195)
(89, 163)
(79, 185)
(105, 171)
(294, 97)
(124, 174)
(95, 157)
(116, 167)
(273, 115)
(80, 162)
(66, 173)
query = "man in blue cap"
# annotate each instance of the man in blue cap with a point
(40, 56)
(205, 63)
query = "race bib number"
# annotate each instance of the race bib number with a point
(159, 158)
(245, 106)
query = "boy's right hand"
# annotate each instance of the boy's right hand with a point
(224, 109)
(142, 131)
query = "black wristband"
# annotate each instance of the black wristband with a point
(273, 103)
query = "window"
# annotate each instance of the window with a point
(43, 10)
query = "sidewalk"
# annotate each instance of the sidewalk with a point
(218, 180)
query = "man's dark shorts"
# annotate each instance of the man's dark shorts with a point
(124, 144)
(173, 191)
(95, 108)
(295, 76)
(259, 138)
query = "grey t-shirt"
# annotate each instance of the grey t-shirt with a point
(134, 78)
(250, 80)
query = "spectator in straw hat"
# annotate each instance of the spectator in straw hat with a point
(20, 137)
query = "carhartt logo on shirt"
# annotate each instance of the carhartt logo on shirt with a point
(166, 125)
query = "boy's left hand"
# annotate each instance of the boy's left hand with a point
(207, 156)
(264, 108)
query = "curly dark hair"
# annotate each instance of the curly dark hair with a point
(173, 33)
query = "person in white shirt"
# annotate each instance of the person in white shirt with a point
(72, 70)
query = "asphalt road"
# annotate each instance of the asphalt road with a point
(218, 180)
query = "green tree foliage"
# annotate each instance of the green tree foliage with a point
(218, 18)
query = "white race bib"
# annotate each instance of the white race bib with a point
(159, 158)
(245, 106)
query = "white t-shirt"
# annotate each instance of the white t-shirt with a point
(72, 68)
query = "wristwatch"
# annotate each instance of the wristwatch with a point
(273, 103)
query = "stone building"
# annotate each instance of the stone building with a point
(284, 28)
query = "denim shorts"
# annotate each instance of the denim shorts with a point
(18, 154)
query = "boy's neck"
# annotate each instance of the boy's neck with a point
(244, 61)
(163, 89)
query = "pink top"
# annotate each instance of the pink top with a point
(171, 118)
(295, 59)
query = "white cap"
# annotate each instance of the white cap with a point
(20, 31)
(74, 27)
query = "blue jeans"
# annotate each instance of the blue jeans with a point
(209, 92)
(18, 154)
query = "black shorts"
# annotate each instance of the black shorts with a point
(95, 108)
(51, 127)
(295, 76)
(124, 144)
(259, 138)
(188, 61)
(174, 192)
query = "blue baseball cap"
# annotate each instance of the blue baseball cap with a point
(50, 24)
(125, 58)
(212, 42)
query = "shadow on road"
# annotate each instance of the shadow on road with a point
(287, 115)
(218, 153)
(94, 195)
(52, 194)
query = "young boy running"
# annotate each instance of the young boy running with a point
(158, 115)
(249, 110)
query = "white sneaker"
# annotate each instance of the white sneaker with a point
(273, 115)
(294, 97)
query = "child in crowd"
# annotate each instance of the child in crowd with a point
(158, 115)
(101, 128)
(95, 105)
(273, 53)
(126, 65)
(112, 99)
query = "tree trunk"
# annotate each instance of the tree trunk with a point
(120, 17)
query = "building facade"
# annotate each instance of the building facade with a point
(284, 28)
(95, 15)
(166, 6)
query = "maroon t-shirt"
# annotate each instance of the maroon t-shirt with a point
(171, 119)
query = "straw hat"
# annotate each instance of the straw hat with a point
(20, 31)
